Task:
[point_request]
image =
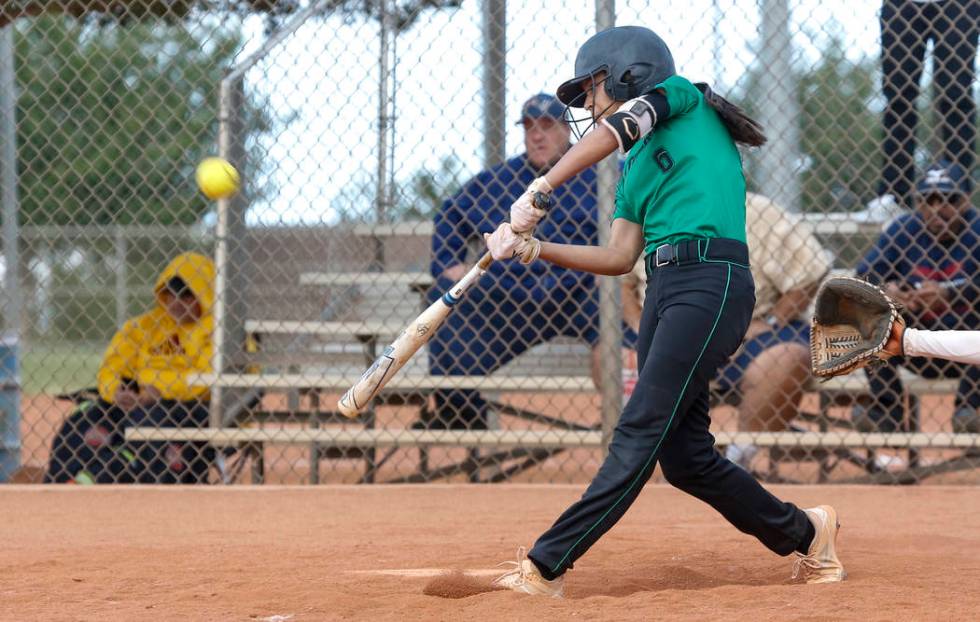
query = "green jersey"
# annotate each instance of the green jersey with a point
(684, 179)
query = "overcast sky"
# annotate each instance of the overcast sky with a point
(328, 74)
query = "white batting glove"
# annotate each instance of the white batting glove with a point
(504, 244)
(524, 216)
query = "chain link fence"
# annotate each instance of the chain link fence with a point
(153, 336)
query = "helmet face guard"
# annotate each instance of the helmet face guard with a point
(578, 101)
(634, 59)
(571, 92)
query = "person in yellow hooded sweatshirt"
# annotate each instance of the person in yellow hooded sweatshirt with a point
(143, 381)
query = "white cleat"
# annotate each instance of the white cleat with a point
(526, 579)
(820, 564)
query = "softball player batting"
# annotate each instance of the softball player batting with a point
(681, 198)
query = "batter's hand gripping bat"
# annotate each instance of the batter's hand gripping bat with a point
(415, 335)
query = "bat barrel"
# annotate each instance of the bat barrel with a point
(394, 357)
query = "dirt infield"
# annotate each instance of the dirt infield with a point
(324, 553)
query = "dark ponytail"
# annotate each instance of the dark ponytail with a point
(742, 128)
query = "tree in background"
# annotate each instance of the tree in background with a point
(105, 11)
(111, 122)
(113, 119)
(417, 197)
(840, 127)
(122, 11)
(422, 194)
(840, 131)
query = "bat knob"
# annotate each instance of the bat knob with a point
(542, 201)
(347, 407)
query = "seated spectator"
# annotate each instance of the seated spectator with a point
(768, 373)
(143, 381)
(929, 261)
(514, 306)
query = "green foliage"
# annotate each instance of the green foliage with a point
(113, 119)
(841, 134)
(840, 127)
(124, 11)
(403, 14)
(421, 196)
(417, 197)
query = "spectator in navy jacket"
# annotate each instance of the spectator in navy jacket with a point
(514, 307)
(929, 261)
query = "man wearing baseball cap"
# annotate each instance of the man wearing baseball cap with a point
(946, 179)
(546, 134)
(514, 306)
(929, 261)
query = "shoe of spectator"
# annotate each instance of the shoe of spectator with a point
(880, 210)
(873, 420)
(741, 455)
(887, 462)
(820, 564)
(966, 421)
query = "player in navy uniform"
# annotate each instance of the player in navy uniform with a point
(681, 199)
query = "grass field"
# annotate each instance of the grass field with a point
(52, 368)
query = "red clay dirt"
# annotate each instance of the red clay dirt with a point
(316, 553)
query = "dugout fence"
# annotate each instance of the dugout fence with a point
(377, 141)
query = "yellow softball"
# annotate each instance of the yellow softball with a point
(217, 178)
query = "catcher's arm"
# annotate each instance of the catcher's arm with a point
(959, 346)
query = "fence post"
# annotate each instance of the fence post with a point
(386, 87)
(779, 110)
(122, 302)
(230, 253)
(494, 81)
(610, 307)
(9, 359)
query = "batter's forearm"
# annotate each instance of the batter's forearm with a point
(595, 259)
(593, 147)
(960, 346)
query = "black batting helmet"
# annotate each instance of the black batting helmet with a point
(634, 58)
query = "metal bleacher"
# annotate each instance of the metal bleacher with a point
(336, 350)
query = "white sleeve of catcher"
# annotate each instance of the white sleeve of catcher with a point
(960, 346)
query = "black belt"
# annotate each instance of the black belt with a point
(698, 251)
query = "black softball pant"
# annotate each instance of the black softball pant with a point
(694, 319)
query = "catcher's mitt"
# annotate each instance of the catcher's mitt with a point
(852, 320)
